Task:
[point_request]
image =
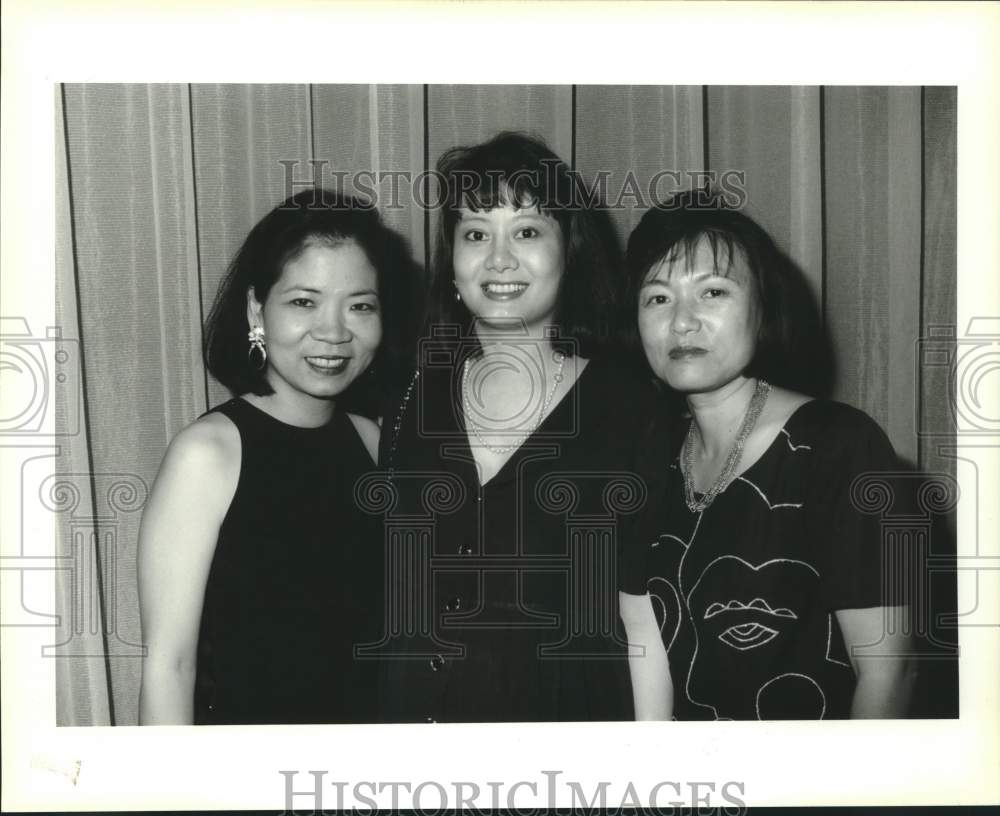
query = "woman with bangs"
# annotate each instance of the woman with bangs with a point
(754, 582)
(515, 412)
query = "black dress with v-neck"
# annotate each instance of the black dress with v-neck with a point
(520, 572)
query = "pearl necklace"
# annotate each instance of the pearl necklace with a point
(520, 439)
(760, 392)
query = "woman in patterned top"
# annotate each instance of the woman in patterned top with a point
(755, 582)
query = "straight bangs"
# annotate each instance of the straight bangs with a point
(520, 171)
(494, 192)
(726, 250)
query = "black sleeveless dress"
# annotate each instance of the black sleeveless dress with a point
(294, 582)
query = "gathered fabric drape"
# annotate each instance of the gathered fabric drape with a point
(159, 184)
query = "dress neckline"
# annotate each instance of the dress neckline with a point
(528, 444)
(287, 426)
(767, 453)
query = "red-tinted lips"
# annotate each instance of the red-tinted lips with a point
(682, 352)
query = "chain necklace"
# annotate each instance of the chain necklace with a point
(760, 392)
(519, 440)
(399, 424)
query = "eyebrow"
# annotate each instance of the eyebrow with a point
(657, 280)
(465, 214)
(313, 291)
(298, 288)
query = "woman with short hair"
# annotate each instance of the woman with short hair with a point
(755, 583)
(258, 572)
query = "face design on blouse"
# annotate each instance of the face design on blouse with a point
(698, 319)
(321, 320)
(746, 619)
(508, 265)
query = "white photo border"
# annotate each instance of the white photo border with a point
(831, 763)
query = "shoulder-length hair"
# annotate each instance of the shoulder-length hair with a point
(792, 350)
(313, 215)
(520, 170)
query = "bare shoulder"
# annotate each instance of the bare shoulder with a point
(210, 445)
(211, 440)
(369, 432)
(193, 490)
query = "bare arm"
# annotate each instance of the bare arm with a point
(177, 538)
(652, 688)
(879, 653)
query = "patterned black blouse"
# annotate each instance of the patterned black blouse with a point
(746, 590)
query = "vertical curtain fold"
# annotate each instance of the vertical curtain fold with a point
(159, 184)
(375, 133)
(772, 136)
(648, 139)
(857, 309)
(939, 271)
(138, 323)
(241, 136)
(83, 694)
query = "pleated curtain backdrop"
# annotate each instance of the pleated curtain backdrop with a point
(159, 184)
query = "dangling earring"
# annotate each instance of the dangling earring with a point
(256, 338)
(458, 295)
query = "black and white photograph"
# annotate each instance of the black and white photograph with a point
(475, 442)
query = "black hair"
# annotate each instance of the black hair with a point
(520, 170)
(792, 350)
(312, 215)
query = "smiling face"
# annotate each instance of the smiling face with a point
(321, 321)
(508, 265)
(698, 319)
